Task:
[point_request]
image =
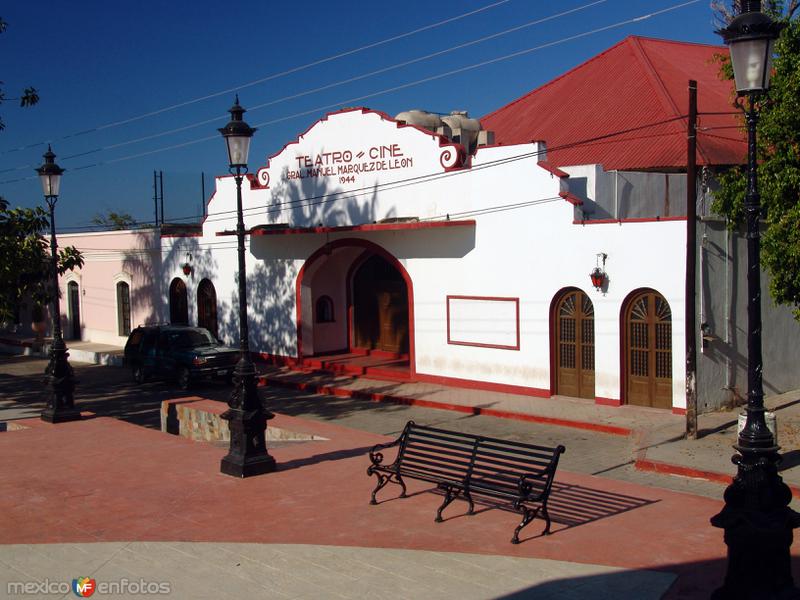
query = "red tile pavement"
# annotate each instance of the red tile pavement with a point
(105, 480)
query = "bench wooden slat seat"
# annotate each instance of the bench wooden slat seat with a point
(462, 464)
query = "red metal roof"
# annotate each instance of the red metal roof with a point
(626, 109)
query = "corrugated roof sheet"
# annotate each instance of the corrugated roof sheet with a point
(626, 109)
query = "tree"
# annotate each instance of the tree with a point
(29, 95)
(778, 166)
(114, 220)
(25, 268)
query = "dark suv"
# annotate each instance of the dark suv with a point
(180, 352)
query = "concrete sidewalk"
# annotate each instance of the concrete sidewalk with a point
(659, 443)
(98, 493)
(220, 571)
(79, 351)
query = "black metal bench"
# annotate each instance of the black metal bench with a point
(464, 464)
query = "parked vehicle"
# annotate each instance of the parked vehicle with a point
(184, 353)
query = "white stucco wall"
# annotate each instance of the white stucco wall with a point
(529, 252)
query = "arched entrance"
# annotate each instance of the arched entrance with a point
(178, 303)
(573, 345)
(207, 307)
(648, 350)
(380, 307)
(332, 271)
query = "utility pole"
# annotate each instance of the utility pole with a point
(203, 193)
(161, 180)
(155, 197)
(691, 266)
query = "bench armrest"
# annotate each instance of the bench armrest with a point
(376, 456)
(524, 485)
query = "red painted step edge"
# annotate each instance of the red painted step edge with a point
(473, 410)
(654, 466)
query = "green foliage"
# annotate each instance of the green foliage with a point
(114, 220)
(25, 271)
(29, 95)
(778, 169)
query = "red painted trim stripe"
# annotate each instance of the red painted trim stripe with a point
(655, 466)
(620, 221)
(608, 401)
(678, 411)
(488, 386)
(571, 198)
(552, 169)
(341, 392)
(365, 227)
(442, 140)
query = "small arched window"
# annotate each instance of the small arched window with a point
(123, 308)
(324, 310)
(178, 303)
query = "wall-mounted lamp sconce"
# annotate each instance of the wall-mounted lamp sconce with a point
(187, 266)
(598, 275)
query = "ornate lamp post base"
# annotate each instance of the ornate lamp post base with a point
(758, 526)
(60, 415)
(247, 421)
(248, 454)
(60, 381)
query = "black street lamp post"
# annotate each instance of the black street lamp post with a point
(247, 418)
(757, 520)
(59, 377)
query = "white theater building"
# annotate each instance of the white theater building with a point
(416, 248)
(370, 235)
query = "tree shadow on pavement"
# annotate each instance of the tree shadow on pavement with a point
(104, 391)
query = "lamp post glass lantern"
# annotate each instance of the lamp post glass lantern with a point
(756, 518)
(59, 377)
(247, 418)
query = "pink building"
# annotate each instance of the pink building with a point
(117, 287)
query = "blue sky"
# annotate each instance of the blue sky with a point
(98, 63)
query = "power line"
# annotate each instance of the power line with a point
(327, 86)
(390, 89)
(393, 185)
(265, 79)
(232, 244)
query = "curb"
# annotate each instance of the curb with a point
(655, 466)
(343, 392)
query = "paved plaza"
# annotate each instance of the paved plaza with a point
(113, 498)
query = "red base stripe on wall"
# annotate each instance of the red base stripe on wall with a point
(608, 401)
(341, 392)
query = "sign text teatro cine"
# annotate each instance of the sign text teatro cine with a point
(348, 163)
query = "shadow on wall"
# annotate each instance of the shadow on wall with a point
(154, 269)
(271, 284)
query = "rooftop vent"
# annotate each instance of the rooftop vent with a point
(458, 127)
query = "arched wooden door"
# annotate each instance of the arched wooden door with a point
(648, 351)
(574, 345)
(74, 299)
(178, 303)
(207, 307)
(380, 307)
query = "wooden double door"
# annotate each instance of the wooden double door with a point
(380, 307)
(207, 307)
(648, 351)
(574, 341)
